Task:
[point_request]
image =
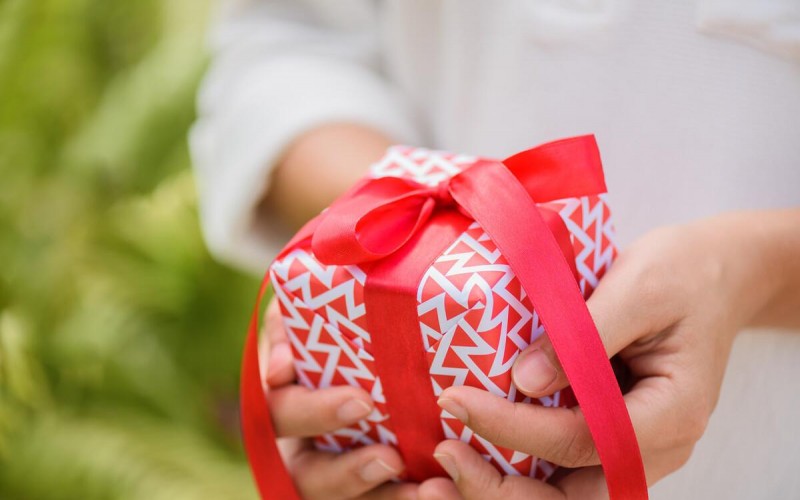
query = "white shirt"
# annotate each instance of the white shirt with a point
(695, 104)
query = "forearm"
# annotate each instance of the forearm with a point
(319, 166)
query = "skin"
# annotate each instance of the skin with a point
(319, 155)
(670, 307)
(300, 413)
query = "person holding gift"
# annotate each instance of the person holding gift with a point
(696, 107)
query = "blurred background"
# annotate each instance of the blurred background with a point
(120, 338)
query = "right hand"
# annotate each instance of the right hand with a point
(300, 413)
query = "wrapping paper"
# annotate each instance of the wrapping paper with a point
(474, 316)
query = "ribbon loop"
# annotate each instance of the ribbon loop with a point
(374, 222)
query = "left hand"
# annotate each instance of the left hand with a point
(298, 413)
(670, 307)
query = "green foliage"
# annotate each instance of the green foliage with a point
(120, 337)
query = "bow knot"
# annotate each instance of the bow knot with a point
(442, 195)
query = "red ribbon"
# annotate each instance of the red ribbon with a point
(401, 227)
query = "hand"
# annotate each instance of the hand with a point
(670, 308)
(300, 413)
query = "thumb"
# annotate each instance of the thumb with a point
(620, 316)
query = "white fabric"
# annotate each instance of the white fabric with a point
(696, 106)
(280, 69)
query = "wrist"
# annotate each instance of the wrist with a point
(777, 237)
(760, 264)
(319, 166)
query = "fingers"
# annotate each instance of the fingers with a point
(301, 412)
(477, 479)
(439, 488)
(587, 483)
(393, 491)
(275, 348)
(624, 308)
(331, 476)
(280, 368)
(668, 414)
(559, 435)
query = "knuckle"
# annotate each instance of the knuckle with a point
(485, 484)
(507, 488)
(695, 424)
(670, 463)
(579, 453)
(494, 427)
(490, 433)
(352, 484)
(303, 471)
(327, 478)
(277, 402)
(574, 449)
(649, 278)
(646, 258)
(683, 457)
(297, 412)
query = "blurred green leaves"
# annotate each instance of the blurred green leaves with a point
(119, 336)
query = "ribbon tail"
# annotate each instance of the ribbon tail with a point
(515, 225)
(562, 235)
(272, 477)
(567, 168)
(401, 363)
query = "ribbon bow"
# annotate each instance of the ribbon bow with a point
(379, 216)
(376, 220)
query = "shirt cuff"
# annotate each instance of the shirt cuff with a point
(236, 145)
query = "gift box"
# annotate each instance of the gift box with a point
(474, 317)
(437, 270)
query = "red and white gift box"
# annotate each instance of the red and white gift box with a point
(437, 270)
(474, 316)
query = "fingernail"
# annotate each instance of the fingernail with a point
(533, 372)
(378, 471)
(353, 410)
(448, 464)
(279, 357)
(454, 408)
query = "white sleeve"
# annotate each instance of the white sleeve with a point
(280, 68)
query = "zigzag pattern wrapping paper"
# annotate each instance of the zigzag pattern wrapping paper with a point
(474, 316)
